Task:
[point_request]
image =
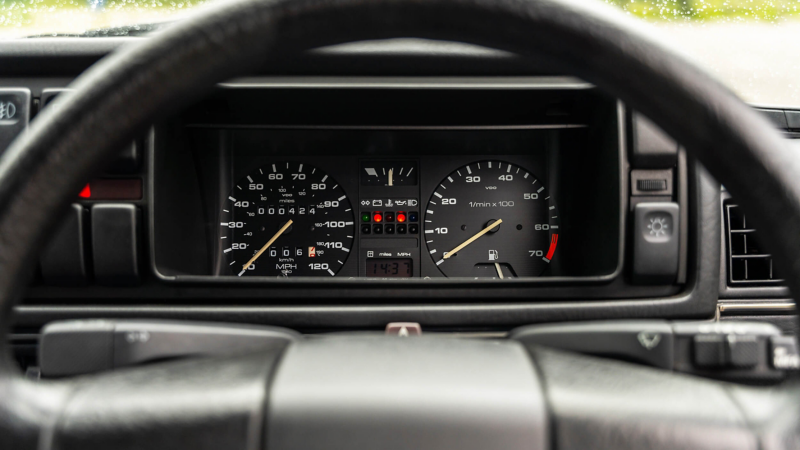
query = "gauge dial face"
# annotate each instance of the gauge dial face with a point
(491, 219)
(389, 173)
(258, 210)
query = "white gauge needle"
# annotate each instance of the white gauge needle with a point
(276, 236)
(499, 270)
(470, 240)
(391, 171)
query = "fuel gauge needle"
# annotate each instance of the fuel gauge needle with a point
(391, 172)
(274, 238)
(472, 239)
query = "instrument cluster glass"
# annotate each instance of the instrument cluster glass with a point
(490, 218)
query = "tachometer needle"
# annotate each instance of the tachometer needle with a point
(499, 270)
(276, 236)
(470, 240)
(391, 172)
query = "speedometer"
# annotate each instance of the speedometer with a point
(286, 219)
(491, 219)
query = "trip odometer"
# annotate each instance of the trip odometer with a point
(286, 219)
(491, 219)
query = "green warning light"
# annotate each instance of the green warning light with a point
(365, 217)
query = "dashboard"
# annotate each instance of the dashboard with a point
(349, 192)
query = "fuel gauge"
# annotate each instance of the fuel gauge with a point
(389, 173)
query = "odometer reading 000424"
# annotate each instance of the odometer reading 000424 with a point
(286, 219)
(491, 219)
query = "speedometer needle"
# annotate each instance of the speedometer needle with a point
(276, 236)
(473, 238)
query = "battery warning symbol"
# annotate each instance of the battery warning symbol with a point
(312, 252)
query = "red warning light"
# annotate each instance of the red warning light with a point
(401, 217)
(377, 217)
(86, 192)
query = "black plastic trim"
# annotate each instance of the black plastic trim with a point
(740, 292)
(303, 283)
(699, 300)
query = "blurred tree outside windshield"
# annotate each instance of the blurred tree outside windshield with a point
(752, 45)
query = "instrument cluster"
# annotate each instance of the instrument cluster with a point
(488, 218)
(372, 186)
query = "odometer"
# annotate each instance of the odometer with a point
(491, 219)
(297, 214)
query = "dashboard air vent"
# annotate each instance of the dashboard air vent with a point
(748, 264)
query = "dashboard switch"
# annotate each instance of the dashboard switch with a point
(14, 114)
(718, 350)
(743, 351)
(709, 351)
(115, 243)
(64, 260)
(655, 243)
(651, 183)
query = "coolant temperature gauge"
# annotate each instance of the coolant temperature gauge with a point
(389, 173)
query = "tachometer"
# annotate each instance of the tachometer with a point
(491, 219)
(286, 219)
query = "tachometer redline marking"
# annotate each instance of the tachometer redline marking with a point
(552, 250)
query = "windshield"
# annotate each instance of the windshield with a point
(749, 44)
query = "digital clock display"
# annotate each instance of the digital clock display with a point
(389, 267)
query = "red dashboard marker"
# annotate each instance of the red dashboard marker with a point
(86, 192)
(377, 217)
(401, 217)
(553, 243)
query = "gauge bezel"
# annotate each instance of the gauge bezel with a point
(355, 280)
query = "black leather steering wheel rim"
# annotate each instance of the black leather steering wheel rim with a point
(66, 144)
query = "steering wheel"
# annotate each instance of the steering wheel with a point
(367, 392)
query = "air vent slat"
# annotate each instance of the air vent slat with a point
(748, 264)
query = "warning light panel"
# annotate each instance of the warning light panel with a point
(113, 189)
